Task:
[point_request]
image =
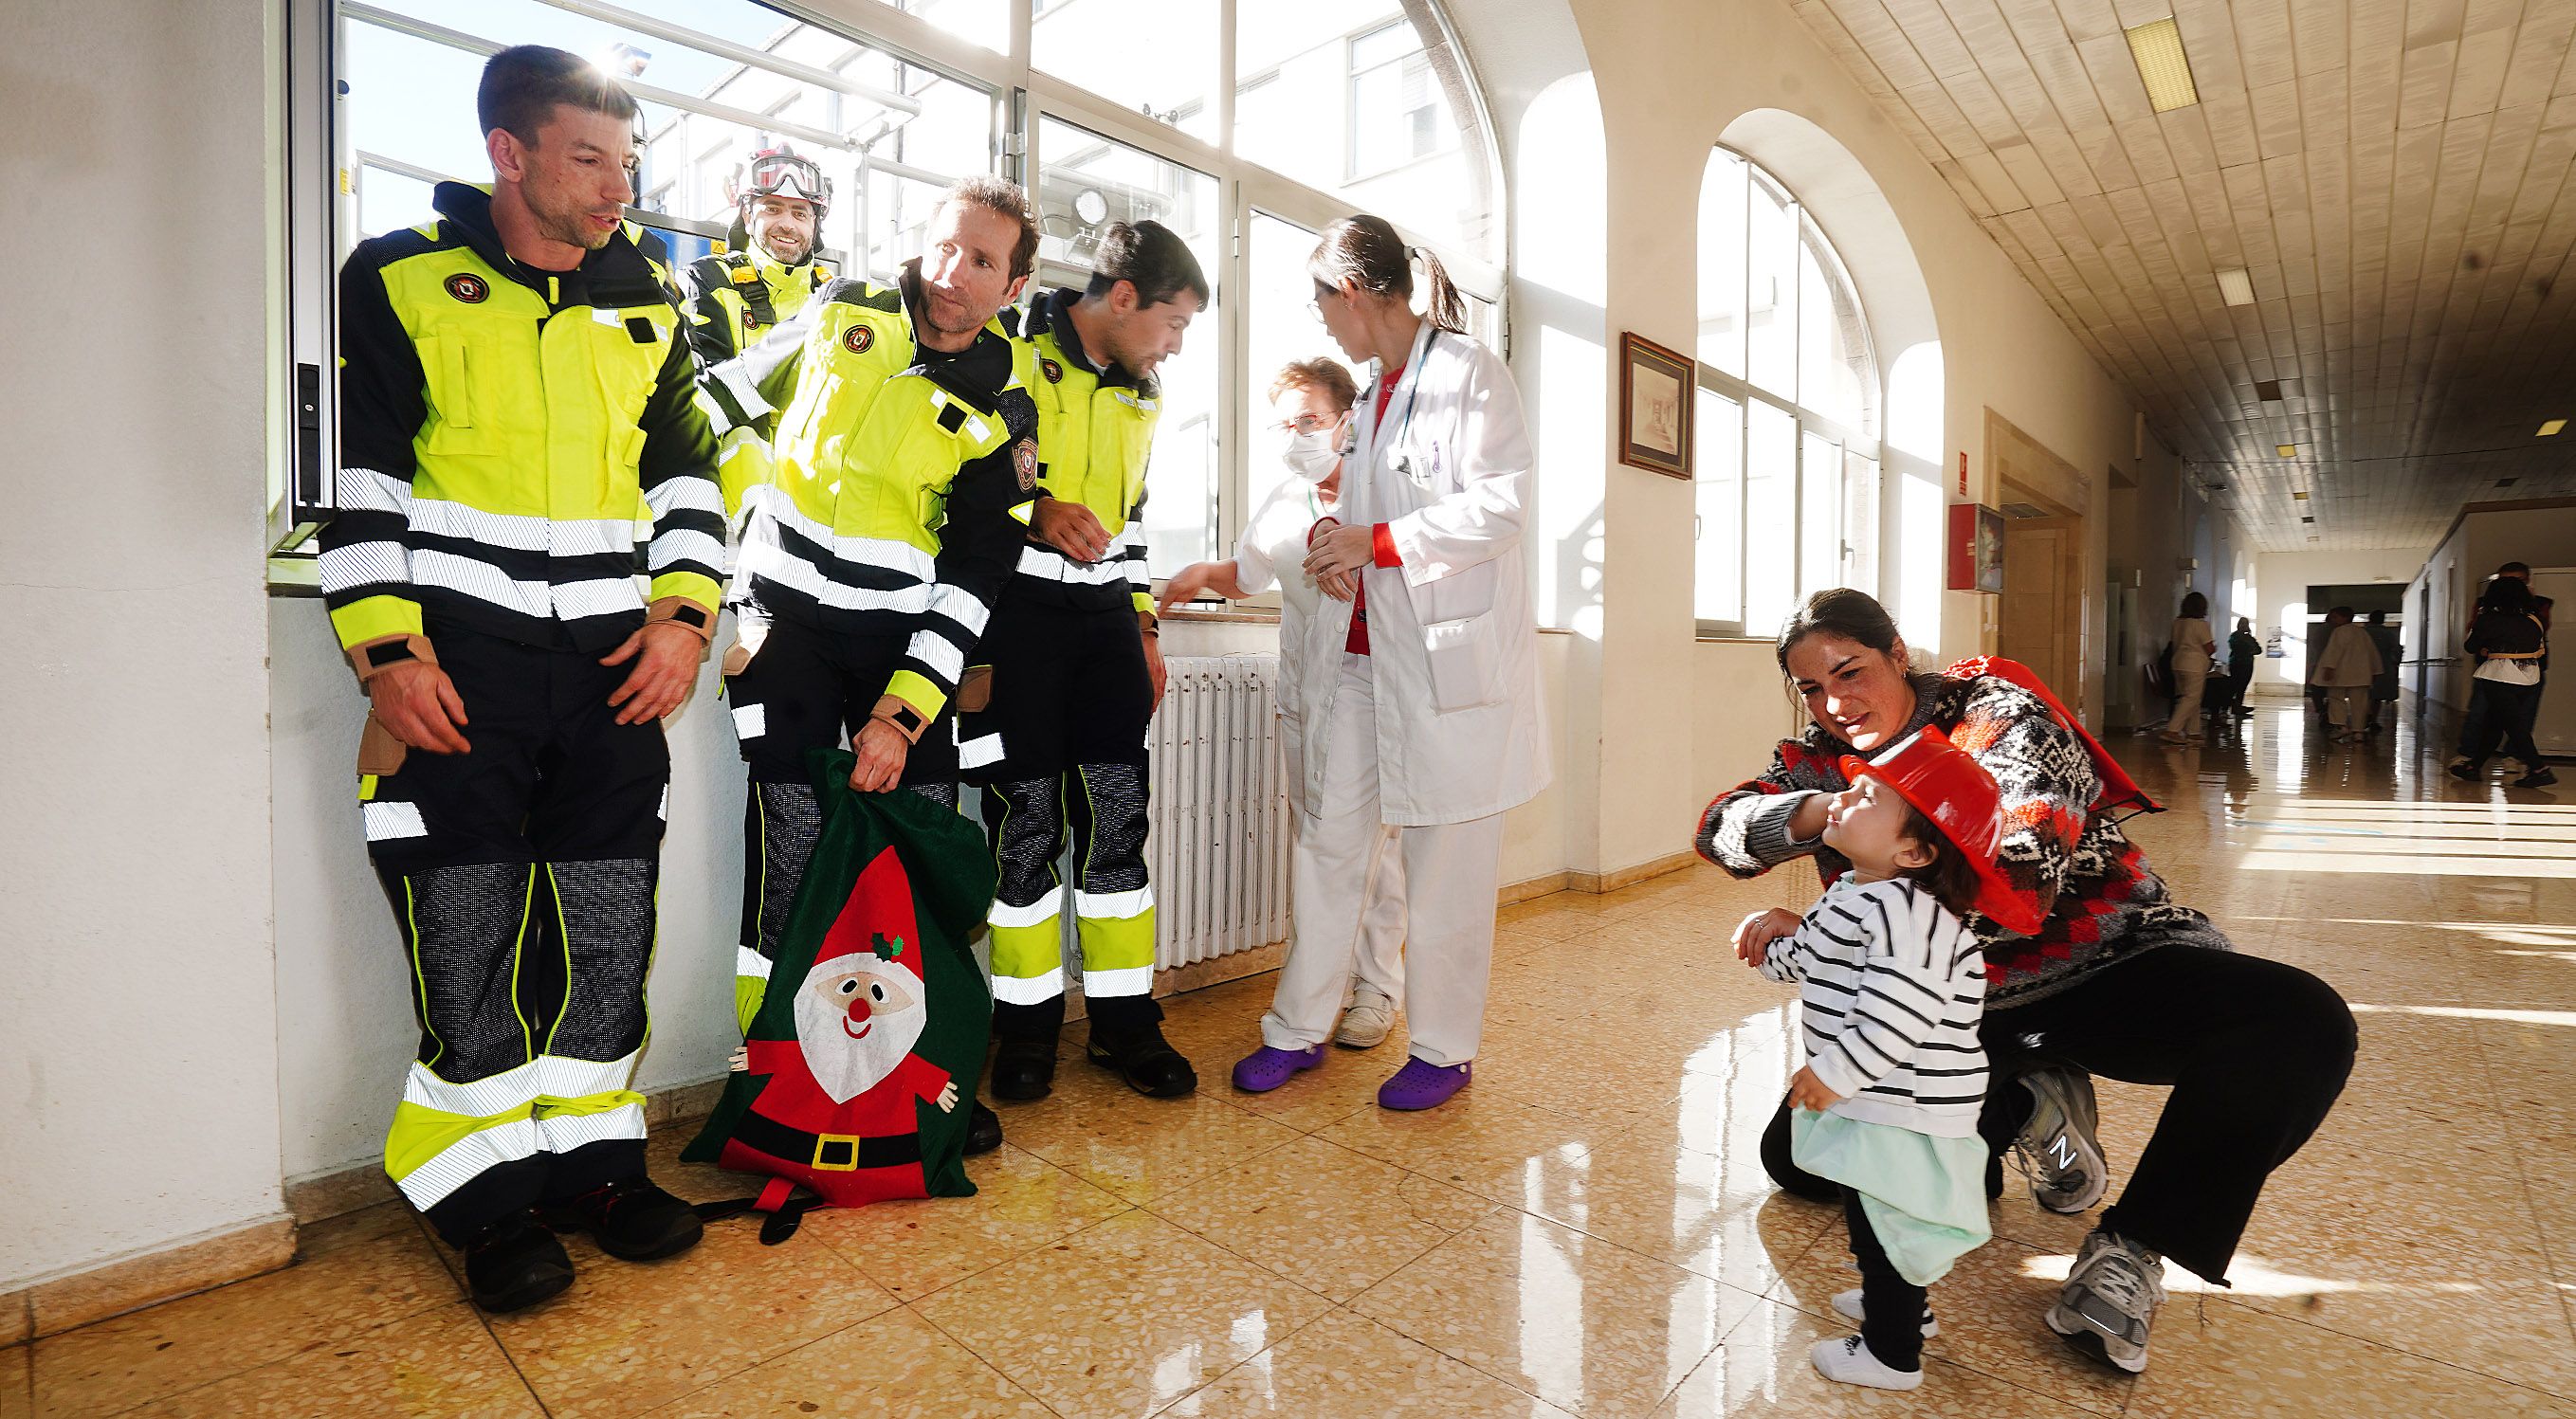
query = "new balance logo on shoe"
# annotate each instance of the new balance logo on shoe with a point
(2061, 1151)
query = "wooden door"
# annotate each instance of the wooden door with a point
(2042, 611)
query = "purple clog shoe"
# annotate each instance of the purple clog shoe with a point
(1420, 1084)
(1266, 1069)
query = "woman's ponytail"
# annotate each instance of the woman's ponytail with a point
(1366, 252)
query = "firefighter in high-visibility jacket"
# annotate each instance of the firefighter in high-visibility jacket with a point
(1057, 708)
(515, 395)
(764, 278)
(873, 554)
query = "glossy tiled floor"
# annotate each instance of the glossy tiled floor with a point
(1586, 1231)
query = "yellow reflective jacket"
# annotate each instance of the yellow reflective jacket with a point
(897, 495)
(503, 431)
(1095, 433)
(733, 298)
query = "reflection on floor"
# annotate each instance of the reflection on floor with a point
(1586, 1231)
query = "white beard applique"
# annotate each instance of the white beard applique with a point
(856, 1018)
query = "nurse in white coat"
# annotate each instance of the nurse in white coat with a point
(1420, 698)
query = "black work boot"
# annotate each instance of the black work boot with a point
(983, 1130)
(631, 1219)
(1024, 1063)
(513, 1264)
(1127, 1036)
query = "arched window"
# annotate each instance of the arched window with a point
(1105, 110)
(1788, 419)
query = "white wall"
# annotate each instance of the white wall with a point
(138, 1025)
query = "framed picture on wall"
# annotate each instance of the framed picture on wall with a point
(1654, 407)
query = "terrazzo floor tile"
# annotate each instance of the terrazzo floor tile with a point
(1763, 1370)
(1699, 1212)
(2226, 1359)
(1138, 1147)
(437, 1364)
(1121, 1319)
(1578, 1322)
(1484, 1143)
(2446, 1262)
(1348, 1367)
(629, 1336)
(119, 1363)
(17, 1401)
(1334, 1221)
(913, 1248)
(891, 1366)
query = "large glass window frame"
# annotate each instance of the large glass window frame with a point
(1785, 458)
(1024, 97)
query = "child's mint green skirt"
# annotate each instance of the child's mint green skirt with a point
(1925, 1197)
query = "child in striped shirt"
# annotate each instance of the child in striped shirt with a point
(1891, 990)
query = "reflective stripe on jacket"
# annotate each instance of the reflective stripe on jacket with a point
(505, 431)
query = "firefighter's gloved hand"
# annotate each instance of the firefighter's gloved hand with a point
(417, 701)
(882, 749)
(666, 669)
(1069, 528)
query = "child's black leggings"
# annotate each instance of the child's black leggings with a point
(1891, 1306)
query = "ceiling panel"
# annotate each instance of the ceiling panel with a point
(2394, 175)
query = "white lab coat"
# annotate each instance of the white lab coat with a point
(1452, 648)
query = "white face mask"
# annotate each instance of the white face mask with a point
(1312, 456)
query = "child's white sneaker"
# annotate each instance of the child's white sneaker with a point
(1848, 1361)
(1847, 1305)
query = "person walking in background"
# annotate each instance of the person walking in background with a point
(2192, 650)
(2244, 652)
(2346, 669)
(2320, 695)
(2511, 644)
(2383, 688)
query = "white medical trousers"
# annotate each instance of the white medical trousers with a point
(1450, 873)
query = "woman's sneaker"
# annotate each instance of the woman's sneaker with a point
(2539, 777)
(1848, 1361)
(2056, 1145)
(2110, 1300)
(1365, 1024)
(1847, 1304)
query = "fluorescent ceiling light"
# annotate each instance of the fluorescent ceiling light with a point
(2235, 286)
(2287, 450)
(2301, 497)
(2553, 426)
(2157, 47)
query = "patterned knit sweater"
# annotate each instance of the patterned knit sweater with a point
(2103, 903)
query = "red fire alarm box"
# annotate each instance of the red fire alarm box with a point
(1976, 548)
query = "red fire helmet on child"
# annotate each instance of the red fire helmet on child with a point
(1952, 789)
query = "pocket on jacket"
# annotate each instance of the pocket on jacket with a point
(1462, 658)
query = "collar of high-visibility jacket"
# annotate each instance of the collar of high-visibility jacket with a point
(1054, 311)
(617, 274)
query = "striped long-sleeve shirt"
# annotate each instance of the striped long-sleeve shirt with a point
(1891, 990)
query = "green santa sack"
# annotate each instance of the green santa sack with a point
(860, 1064)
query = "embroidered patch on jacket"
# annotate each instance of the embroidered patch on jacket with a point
(469, 288)
(750, 321)
(1024, 458)
(858, 338)
(1054, 372)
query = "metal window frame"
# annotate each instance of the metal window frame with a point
(1022, 97)
(1845, 439)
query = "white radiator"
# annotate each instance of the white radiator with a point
(1220, 809)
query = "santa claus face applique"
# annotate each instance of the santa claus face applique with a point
(857, 1016)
